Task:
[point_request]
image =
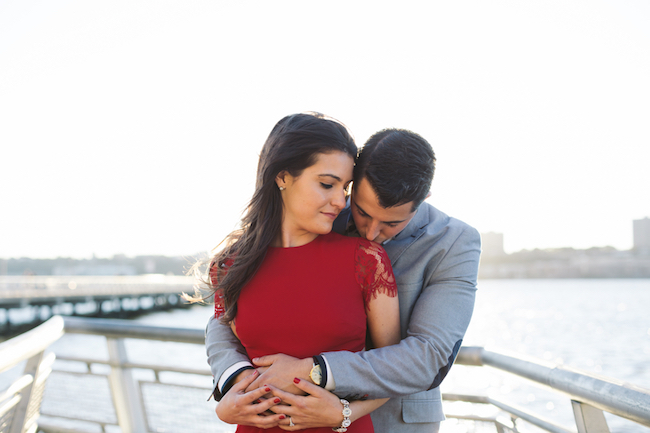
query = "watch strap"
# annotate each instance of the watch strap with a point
(320, 361)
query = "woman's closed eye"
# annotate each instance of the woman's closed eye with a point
(326, 185)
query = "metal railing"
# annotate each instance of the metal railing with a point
(21, 401)
(590, 395)
(135, 412)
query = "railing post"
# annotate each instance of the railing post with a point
(588, 418)
(24, 416)
(124, 390)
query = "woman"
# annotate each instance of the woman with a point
(285, 283)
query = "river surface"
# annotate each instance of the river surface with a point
(599, 326)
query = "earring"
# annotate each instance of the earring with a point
(281, 188)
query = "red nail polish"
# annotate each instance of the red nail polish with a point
(276, 400)
(258, 401)
(267, 389)
(282, 417)
(296, 380)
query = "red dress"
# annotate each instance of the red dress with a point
(311, 299)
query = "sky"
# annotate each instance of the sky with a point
(133, 127)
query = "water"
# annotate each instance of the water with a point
(599, 326)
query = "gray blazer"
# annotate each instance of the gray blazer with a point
(435, 260)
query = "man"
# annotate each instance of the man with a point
(435, 261)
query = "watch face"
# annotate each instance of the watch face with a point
(316, 374)
(347, 411)
(346, 423)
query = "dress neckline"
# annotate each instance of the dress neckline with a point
(299, 246)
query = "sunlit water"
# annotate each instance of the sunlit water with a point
(596, 325)
(599, 326)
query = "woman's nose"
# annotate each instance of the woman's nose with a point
(339, 200)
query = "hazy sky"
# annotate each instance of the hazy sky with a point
(134, 126)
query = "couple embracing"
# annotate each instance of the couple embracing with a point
(335, 311)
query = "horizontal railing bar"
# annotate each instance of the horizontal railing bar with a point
(79, 373)
(46, 427)
(155, 367)
(471, 417)
(202, 388)
(116, 328)
(64, 416)
(468, 398)
(30, 343)
(532, 418)
(9, 405)
(618, 398)
(17, 386)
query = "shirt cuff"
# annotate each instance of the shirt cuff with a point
(330, 385)
(234, 369)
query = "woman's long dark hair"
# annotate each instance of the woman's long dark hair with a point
(293, 145)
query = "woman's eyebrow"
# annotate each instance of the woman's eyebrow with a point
(330, 175)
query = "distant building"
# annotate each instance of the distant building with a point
(641, 229)
(492, 244)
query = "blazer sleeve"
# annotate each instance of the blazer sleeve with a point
(224, 351)
(434, 332)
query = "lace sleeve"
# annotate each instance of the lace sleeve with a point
(215, 273)
(373, 271)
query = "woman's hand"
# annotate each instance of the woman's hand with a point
(320, 408)
(247, 408)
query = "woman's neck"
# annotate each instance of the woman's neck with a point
(287, 239)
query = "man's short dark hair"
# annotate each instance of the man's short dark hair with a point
(399, 165)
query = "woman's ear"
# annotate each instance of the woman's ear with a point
(281, 179)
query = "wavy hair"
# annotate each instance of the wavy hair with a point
(292, 146)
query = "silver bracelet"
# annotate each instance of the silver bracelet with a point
(347, 412)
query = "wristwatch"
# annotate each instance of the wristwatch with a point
(347, 412)
(316, 374)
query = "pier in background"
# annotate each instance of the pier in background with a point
(28, 300)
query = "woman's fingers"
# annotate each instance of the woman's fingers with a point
(309, 387)
(243, 384)
(248, 408)
(320, 408)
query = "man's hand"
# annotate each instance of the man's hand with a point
(243, 375)
(279, 370)
(241, 407)
(320, 408)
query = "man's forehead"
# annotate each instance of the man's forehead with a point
(364, 196)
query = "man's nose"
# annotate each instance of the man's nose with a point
(372, 231)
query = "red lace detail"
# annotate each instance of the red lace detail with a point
(373, 271)
(219, 308)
